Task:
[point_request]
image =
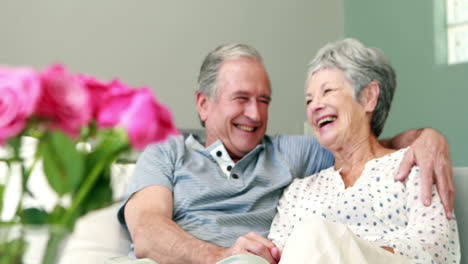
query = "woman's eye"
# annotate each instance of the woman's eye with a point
(327, 90)
(308, 101)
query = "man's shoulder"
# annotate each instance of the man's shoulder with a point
(186, 137)
(291, 147)
(173, 145)
(291, 140)
(290, 137)
(170, 142)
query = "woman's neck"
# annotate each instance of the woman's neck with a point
(352, 157)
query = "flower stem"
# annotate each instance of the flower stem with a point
(57, 235)
(10, 160)
(88, 184)
(84, 190)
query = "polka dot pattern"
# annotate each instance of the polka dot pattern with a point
(376, 208)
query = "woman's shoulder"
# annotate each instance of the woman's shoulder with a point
(388, 162)
(325, 173)
(391, 162)
(300, 186)
(393, 156)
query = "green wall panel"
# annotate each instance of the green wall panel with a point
(429, 94)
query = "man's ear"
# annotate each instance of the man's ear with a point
(203, 104)
(370, 96)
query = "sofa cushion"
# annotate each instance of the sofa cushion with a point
(460, 179)
(97, 237)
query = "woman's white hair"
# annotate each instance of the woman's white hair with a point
(360, 65)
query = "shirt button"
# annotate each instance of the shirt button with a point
(229, 168)
(235, 176)
(219, 153)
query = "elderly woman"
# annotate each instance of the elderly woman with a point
(348, 96)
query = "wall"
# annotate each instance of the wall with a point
(428, 94)
(161, 44)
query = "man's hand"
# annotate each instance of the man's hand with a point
(430, 151)
(254, 243)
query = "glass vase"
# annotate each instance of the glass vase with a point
(31, 244)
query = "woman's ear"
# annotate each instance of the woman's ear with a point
(202, 105)
(370, 96)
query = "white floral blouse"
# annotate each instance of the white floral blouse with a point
(376, 208)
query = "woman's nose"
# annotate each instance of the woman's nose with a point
(316, 104)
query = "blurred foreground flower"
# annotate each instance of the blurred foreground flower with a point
(20, 89)
(82, 125)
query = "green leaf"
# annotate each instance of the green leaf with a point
(15, 144)
(34, 216)
(2, 190)
(89, 131)
(102, 195)
(111, 144)
(63, 164)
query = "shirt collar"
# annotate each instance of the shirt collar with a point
(192, 143)
(218, 152)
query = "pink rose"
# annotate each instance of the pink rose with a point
(20, 91)
(144, 119)
(65, 100)
(100, 92)
(97, 91)
(113, 103)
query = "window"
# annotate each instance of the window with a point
(457, 31)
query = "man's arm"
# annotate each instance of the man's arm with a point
(155, 235)
(430, 151)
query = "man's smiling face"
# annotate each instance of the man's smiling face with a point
(238, 116)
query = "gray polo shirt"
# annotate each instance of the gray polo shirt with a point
(217, 200)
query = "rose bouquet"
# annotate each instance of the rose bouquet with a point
(81, 126)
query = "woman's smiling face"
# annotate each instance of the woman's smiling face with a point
(332, 109)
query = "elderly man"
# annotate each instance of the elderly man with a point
(200, 202)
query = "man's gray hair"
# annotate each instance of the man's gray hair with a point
(360, 65)
(210, 68)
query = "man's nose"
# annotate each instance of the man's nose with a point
(252, 111)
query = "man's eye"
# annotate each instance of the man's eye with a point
(241, 98)
(265, 102)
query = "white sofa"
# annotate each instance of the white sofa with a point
(98, 236)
